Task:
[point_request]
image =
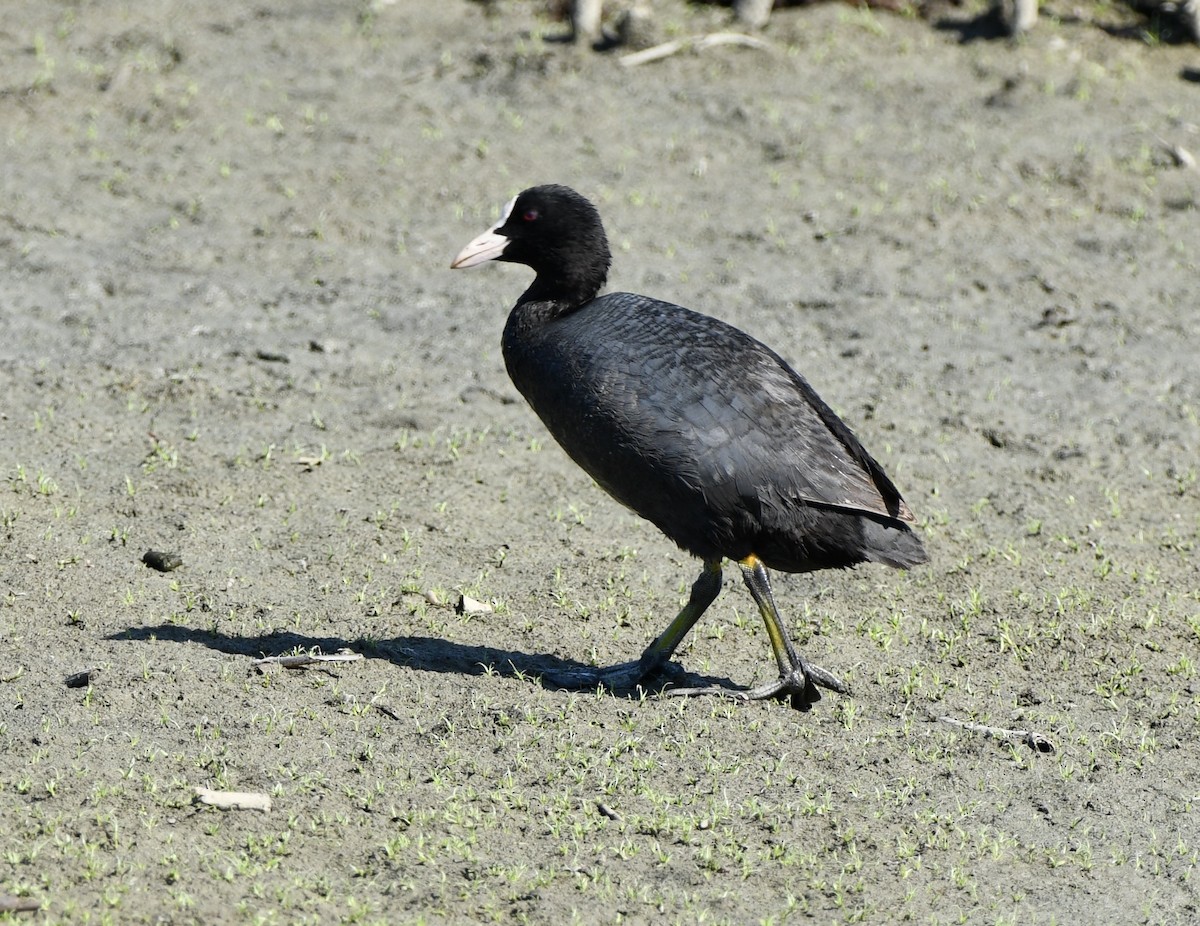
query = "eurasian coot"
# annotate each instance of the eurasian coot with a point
(693, 424)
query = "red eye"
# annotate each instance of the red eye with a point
(530, 215)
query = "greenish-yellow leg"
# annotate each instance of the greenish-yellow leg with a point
(798, 680)
(657, 654)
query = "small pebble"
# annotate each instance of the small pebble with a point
(81, 679)
(163, 562)
(466, 605)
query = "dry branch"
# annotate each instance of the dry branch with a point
(12, 904)
(694, 43)
(301, 660)
(1035, 741)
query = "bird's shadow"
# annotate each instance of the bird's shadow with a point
(424, 654)
(983, 27)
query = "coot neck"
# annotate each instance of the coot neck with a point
(551, 296)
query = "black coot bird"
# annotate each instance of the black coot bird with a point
(694, 425)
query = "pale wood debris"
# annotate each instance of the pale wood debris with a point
(692, 43)
(233, 800)
(300, 660)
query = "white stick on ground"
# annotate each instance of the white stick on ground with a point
(697, 42)
(1035, 741)
(585, 20)
(307, 659)
(233, 800)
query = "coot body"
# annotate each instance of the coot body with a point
(693, 424)
(706, 433)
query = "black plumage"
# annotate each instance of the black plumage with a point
(693, 424)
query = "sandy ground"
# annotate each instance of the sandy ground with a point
(231, 334)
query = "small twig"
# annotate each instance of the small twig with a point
(607, 811)
(10, 903)
(1179, 154)
(694, 42)
(384, 709)
(301, 660)
(1035, 741)
(731, 38)
(233, 800)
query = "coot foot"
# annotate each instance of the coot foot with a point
(798, 687)
(798, 680)
(797, 683)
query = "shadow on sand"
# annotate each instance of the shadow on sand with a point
(423, 654)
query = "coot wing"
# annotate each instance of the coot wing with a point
(642, 379)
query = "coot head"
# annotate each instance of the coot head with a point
(555, 231)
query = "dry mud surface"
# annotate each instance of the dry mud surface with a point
(231, 334)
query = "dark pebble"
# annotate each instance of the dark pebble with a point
(163, 562)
